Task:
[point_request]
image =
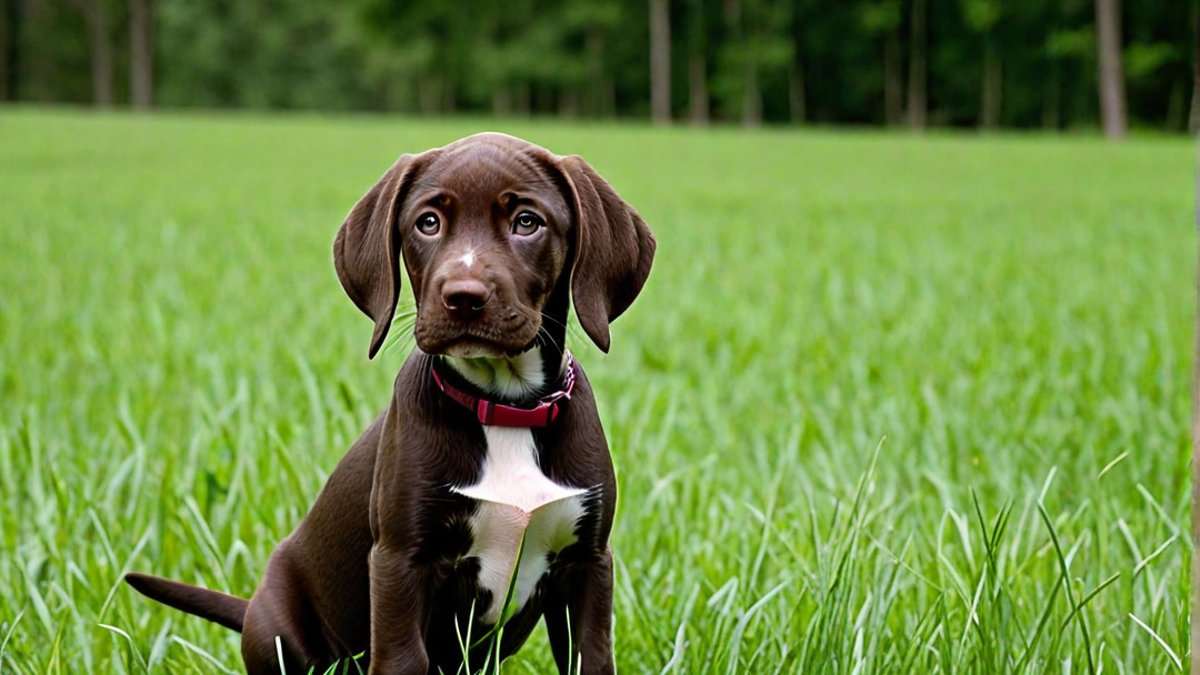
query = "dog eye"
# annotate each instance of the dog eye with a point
(526, 224)
(428, 224)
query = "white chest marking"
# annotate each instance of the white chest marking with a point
(516, 498)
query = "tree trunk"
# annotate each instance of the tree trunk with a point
(6, 39)
(593, 98)
(796, 100)
(15, 19)
(1175, 119)
(427, 94)
(449, 98)
(102, 58)
(1052, 100)
(1194, 120)
(917, 113)
(698, 88)
(502, 101)
(697, 65)
(524, 104)
(751, 96)
(993, 78)
(141, 53)
(1111, 74)
(660, 61)
(568, 104)
(893, 79)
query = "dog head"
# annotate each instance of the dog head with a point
(488, 228)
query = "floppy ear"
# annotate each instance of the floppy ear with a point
(613, 250)
(366, 250)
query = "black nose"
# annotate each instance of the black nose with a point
(465, 298)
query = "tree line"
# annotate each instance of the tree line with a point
(1050, 64)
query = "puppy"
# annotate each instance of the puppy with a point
(482, 499)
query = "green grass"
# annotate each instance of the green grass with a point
(887, 405)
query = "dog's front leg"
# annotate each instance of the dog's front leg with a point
(399, 609)
(578, 615)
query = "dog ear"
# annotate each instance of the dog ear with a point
(613, 250)
(366, 251)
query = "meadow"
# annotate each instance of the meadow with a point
(888, 404)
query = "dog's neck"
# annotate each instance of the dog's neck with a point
(523, 377)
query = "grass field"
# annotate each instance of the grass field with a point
(887, 405)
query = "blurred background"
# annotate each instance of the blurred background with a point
(890, 403)
(1032, 64)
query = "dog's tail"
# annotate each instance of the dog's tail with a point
(226, 610)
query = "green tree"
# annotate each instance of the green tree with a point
(751, 61)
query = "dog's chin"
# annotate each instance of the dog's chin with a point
(474, 348)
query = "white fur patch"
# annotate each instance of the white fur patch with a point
(516, 498)
(467, 259)
(509, 377)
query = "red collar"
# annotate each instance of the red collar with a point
(500, 415)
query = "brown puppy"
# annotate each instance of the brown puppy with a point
(483, 496)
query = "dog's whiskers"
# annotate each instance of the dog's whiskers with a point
(567, 328)
(543, 333)
(401, 330)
